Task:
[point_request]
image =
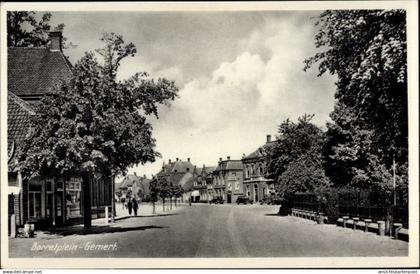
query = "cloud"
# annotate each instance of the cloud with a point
(251, 90)
(230, 110)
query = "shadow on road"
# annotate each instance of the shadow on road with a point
(274, 214)
(100, 230)
(146, 216)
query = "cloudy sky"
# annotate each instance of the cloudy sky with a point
(239, 75)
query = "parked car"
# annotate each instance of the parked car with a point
(243, 200)
(217, 200)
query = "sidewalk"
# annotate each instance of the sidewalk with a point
(145, 210)
(100, 225)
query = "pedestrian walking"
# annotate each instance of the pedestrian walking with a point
(135, 206)
(189, 201)
(130, 206)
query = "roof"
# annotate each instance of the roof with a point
(260, 152)
(230, 165)
(175, 170)
(180, 178)
(207, 170)
(189, 184)
(18, 121)
(182, 166)
(36, 71)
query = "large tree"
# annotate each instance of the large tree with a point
(25, 30)
(367, 51)
(295, 160)
(96, 124)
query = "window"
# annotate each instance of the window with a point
(236, 185)
(35, 200)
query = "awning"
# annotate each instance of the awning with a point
(13, 190)
(195, 193)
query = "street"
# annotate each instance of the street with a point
(203, 230)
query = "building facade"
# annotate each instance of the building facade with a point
(256, 183)
(200, 184)
(227, 180)
(182, 173)
(133, 186)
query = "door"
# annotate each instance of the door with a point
(256, 193)
(35, 201)
(229, 198)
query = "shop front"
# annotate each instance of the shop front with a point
(53, 202)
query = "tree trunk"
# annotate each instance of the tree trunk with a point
(87, 212)
(163, 204)
(170, 202)
(154, 209)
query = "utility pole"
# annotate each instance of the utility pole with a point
(113, 199)
(394, 203)
(393, 181)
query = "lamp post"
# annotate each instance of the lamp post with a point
(393, 181)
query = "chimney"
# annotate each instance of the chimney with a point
(56, 38)
(170, 161)
(268, 138)
(188, 159)
(243, 155)
(228, 158)
(220, 159)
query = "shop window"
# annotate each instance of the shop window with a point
(35, 200)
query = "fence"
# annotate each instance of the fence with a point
(374, 205)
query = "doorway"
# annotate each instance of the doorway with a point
(256, 193)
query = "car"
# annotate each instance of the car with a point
(217, 200)
(243, 200)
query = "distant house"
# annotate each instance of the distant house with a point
(134, 186)
(227, 180)
(32, 73)
(201, 182)
(182, 173)
(256, 183)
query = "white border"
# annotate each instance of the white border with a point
(324, 262)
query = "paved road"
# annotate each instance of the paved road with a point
(212, 231)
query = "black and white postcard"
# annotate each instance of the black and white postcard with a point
(209, 135)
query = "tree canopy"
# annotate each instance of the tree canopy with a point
(295, 160)
(367, 51)
(24, 30)
(95, 122)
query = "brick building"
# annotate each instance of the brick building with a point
(201, 183)
(133, 186)
(227, 180)
(255, 182)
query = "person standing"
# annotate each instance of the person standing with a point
(135, 206)
(130, 206)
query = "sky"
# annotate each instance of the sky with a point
(239, 74)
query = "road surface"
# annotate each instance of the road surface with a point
(203, 230)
